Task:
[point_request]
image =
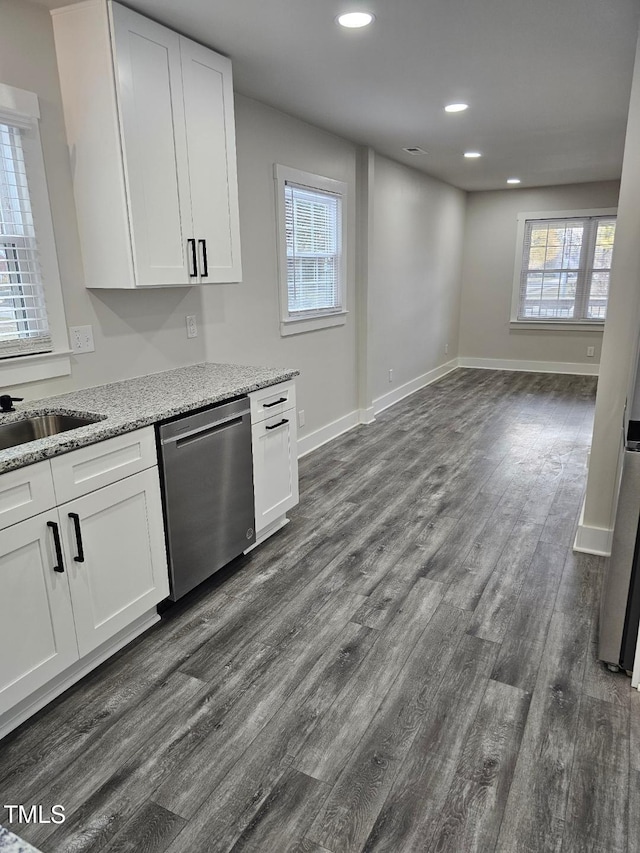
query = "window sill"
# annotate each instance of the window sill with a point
(34, 368)
(542, 325)
(310, 324)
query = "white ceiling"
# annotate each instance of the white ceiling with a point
(547, 81)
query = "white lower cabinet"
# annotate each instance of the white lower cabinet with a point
(275, 455)
(275, 468)
(113, 543)
(79, 575)
(37, 634)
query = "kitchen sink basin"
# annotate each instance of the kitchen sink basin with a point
(40, 426)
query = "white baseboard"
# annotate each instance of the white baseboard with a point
(577, 368)
(592, 540)
(311, 442)
(393, 397)
(367, 416)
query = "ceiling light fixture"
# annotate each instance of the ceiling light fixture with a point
(513, 180)
(355, 20)
(472, 155)
(456, 108)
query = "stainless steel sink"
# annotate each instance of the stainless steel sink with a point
(40, 426)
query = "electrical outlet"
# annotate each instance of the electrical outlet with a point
(391, 375)
(192, 326)
(81, 338)
(301, 417)
(591, 351)
(446, 349)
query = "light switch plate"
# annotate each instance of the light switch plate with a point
(81, 338)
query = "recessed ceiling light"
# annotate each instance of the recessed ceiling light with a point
(354, 20)
(471, 155)
(513, 180)
(456, 108)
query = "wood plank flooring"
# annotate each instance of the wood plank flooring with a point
(408, 666)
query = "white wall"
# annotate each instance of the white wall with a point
(242, 321)
(414, 274)
(620, 343)
(134, 333)
(488, 268)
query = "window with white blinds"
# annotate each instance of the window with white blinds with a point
(24, 327)
(566, 265)
(312, 237)
(314, 228)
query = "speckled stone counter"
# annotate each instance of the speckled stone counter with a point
(10, 843)
(134, 403)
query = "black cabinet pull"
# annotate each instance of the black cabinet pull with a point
(194, 258)
(275, 403)
(76, 523)
(205, 262)
(279, 424)
(58, 546)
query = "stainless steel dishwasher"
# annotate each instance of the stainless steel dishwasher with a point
(207, 478)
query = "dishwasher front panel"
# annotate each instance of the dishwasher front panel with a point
(207, 474)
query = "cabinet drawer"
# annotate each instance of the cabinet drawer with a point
(271, 401)
(25, 493)
(90, 468)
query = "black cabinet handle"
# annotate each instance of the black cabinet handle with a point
(205, 262)
(58, 546)
(275, 403)
(194, 258)
(279, 424)
(76, 523)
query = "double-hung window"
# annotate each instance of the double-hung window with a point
(563, 268)
(33, 343)
(311, 232)
(24, 327)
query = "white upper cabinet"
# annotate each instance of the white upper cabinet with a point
(211, 146)
(150, 124)
(148, 84)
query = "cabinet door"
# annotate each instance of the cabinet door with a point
(149, 86)
(37, 636)
(122, 573)
(211, 141)
(275, 467)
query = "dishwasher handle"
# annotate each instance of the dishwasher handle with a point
(203, 430)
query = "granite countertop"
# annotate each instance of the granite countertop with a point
(10, 843)
(134, 403)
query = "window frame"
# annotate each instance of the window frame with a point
(563, 324)
(324, 318)
(21, 108)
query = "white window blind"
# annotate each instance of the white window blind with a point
(566, 267)
(24, 327)
(313, 225)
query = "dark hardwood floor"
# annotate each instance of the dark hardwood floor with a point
(408, 666)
